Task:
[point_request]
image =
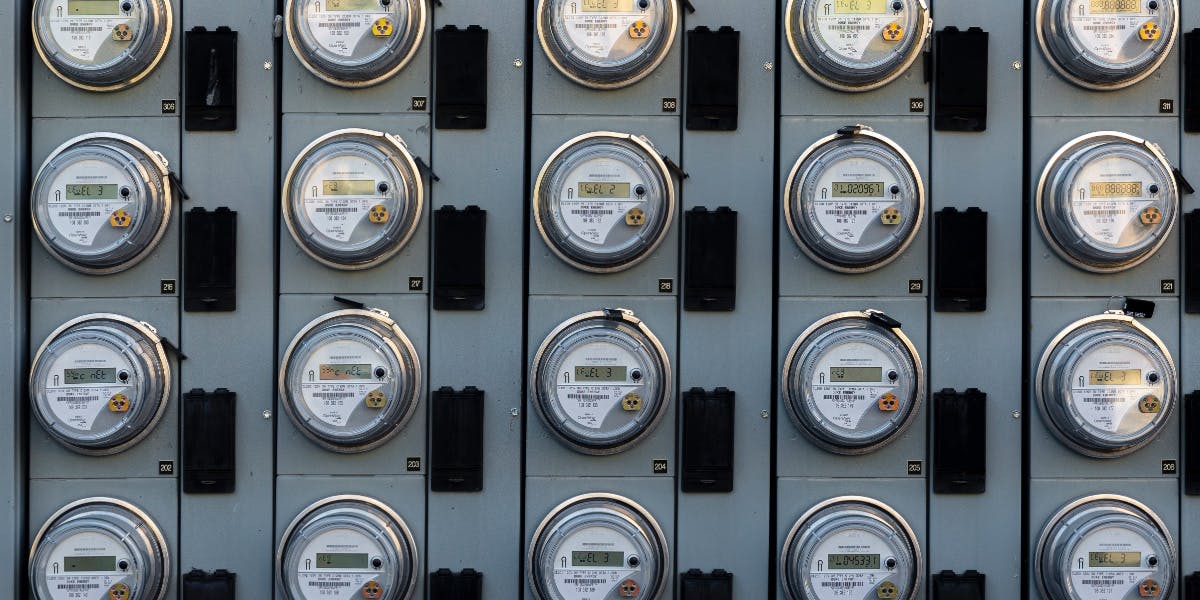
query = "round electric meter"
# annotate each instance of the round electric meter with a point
(1105, 547)
(99, 549)
(601, 381)
(1106, 44)
(355, 43)
(607, 44)
(100, 383)
(851, 548)
(102, 45)
(347, 548)
(598, 547)
(350, 380)
(604, 201)
(857, 45)
(353, 198)
(101, 203)
(1107, 201)
(854, 201)
(853, 382)
(1106, 385)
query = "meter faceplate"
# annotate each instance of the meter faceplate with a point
(101, 203)
(851, 548)
(355, 43)
(604, 201)
(1107, 201)
(601, 381)
(854, 201)
(852, 384)
(344, 548)
(607, 44)
(857, 45)
(353, 198)
(598, 547)
(1106, 386)
(102, 45)
(1106, 44)
(100, 383)
(350, 380)
(1105, 547)
(97, 549)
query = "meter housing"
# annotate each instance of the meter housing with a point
(355, 43)
(607, 44)
(102, 45)
(1106, 44)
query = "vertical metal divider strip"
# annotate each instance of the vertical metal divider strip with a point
(776, 203)
(427, 381)
(1026, 289)
(276, 235)
(526, 209)
(681, 100)
(930, 284)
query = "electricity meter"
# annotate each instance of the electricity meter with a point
(601, 381)
(100, 383)
(854, 201)
(99, 549)
(1106, 385)
(101, 203)
(851, 548)
(1105, 547)
(604, 201)
(607, 44)
(1107, 201)
(853, 382)
(102, 45)
(355, 43)
(598, 547)
(350, 380)
(1106, 44)
(353, 198)
(347, 547)
(857, 45)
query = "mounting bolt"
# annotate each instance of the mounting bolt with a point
(267, 414)
(765, 414)
(8, 218)
(768, 66)
(1016, 414)
(518, 63)
(1016, 65)
(267, 65)
(514, 412)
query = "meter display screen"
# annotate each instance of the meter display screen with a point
(1108, 7)
(861, 7)
(356, 187)
(1115, 377)
(1115, 189)
(606, 44)
(592, 558)
(853, 561)
(607, 5)
(348, 5)
(855, 374)
(355, 43)
(1114, 559)
(93, 7)
(844, 189)
(604, 190)
(77, 191)
(856, 45)
(600, 373)
(73, 564)
(359, 371)
(1106, 44)
(85, 376)
(341, 560)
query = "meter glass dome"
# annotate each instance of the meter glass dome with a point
(1107, 201)
(598, 547)
(101, 203)
(100, 383)
(1106, 386)
(851, 548)
(607, 44)
(853, 382)
(102, 45)
(353, 198)
(1105, 546)
(355, 43)
(601, 381)
(604, 201)
(854, 201)
(857, 45)
(1106, 44)
(350, 380)
(347, 547)
(99, 548)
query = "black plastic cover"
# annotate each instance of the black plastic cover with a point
(710, 259)
(1191, 81)
(960, 442)
(459, 261)
(960, 80)
(445, 584)
(210, 260)
(708, 426)
(460, 76)
(1191, 586)
(209, 441)
(456, 440)
(960, 260)
(218, 585)
(1191, 444)
(1191, 261)
(713, 59)
(210, 80)
(698, 585)
(949, 585)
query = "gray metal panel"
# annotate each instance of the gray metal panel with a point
(1051, 275)
(798, 274)
(1189, 354)
(797, 457)
(298, 273)
(486, 169)
(1050, 458)
(296, 454)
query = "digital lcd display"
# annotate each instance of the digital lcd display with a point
(858, 189)
(348, 187)
(1116, 189)
(864, 562)
(607, 5)
(1115, 376)
(589, 558)
(86, 376)
(1112, 7)
(91, 564)
(1114, 559)
(855, 374)
(861, 7)
(91, 191)
(604, 190)
(93, 7)
(341, 560)
(345, 371)
(583, 373)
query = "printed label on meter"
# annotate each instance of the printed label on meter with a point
(1109, 29)
(853, 195)
(1108, 564)
(85, 196)
(344, 24)
(604, 29)
(606, 191)
(591, 563)
(1106, 44)
(1110, 200)
(336, 565)
(595, 379)
(851, 381)
(339, 195)
(85, 29)
(854, 26)
(339, 376)
(849, 565)
(1110, 384)
(86, 566)
(82, 383)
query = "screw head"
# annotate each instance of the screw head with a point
(267, 65)
(1016, 65)
(764, 414)
(266, 414)
(8, 218)
(518, 63)
(514, 412)
(1016, 414)
(768, 66)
